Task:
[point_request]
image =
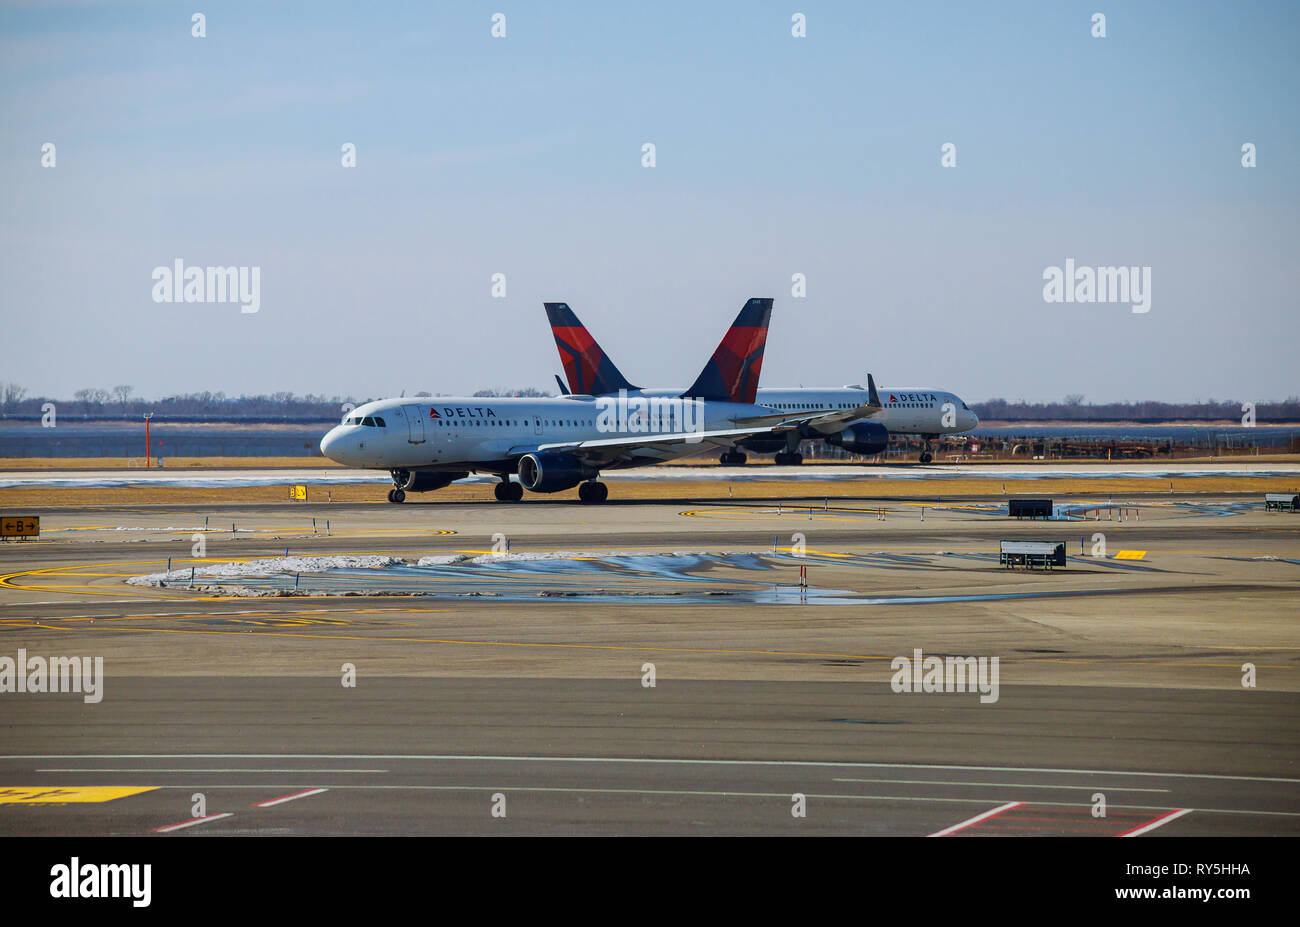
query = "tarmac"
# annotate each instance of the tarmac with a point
(657, 668)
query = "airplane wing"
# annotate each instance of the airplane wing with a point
(823, 420)
(829, 420)
(634, 450)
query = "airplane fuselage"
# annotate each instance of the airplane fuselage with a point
(492, 434)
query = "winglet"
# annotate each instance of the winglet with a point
(873, 398)
(564, 390)
(586, 366)
(732, 373)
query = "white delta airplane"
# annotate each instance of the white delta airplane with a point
(925, 412)
(556, 444)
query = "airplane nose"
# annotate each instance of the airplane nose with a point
(329, 443)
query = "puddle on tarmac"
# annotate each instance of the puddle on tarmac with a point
(686, 578)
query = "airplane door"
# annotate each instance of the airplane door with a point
(537, 425)
(414, 424)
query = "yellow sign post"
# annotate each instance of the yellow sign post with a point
(297, 493)
(20, 526)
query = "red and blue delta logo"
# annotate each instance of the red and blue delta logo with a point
(433, 413)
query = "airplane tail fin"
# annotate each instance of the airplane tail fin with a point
(731, 375)
(586, 366)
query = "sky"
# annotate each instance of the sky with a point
(775, 155)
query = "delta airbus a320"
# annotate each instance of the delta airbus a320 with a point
(551, 445)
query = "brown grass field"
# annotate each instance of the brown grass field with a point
(864, 491)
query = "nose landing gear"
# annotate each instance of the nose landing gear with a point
(926, 456)
(396, 495)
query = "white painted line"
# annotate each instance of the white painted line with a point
(975, 820)
(1158, 822)
(284, 798)
(992, 785)
(151, 769)
(844, 797)
(617, 759)
(184, 824)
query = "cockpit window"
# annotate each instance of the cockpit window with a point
(380, 422)
(368, 421)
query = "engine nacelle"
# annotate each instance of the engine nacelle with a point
(864, 438)
(425, 480)
(542, 472)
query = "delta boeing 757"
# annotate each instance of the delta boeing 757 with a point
(552, 445)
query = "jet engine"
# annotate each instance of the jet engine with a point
(864, 438)
(543, 472)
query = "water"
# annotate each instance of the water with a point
(126, 440)
(1195, 435)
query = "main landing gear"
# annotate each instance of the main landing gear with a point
(507, 491)
(732, 458)
(396, 495)
(788, 459)
(593, 492)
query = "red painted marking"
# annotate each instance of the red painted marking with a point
(192, 822)
(977, 819)
(284, 798)
(1156, 822)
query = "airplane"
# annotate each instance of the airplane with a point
(554, 444)
(925, 412)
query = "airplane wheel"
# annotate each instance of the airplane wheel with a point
(398, 496)
(502, 492)
(796, 458)
(740, 459)
(926, 457)
(600, 491)
(390, 494)
(516, 492)
(781, 459)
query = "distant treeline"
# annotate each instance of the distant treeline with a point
(1074, 409)
(120, 404)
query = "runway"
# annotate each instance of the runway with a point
(600, 698)
(332, 475)
(687, 757)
